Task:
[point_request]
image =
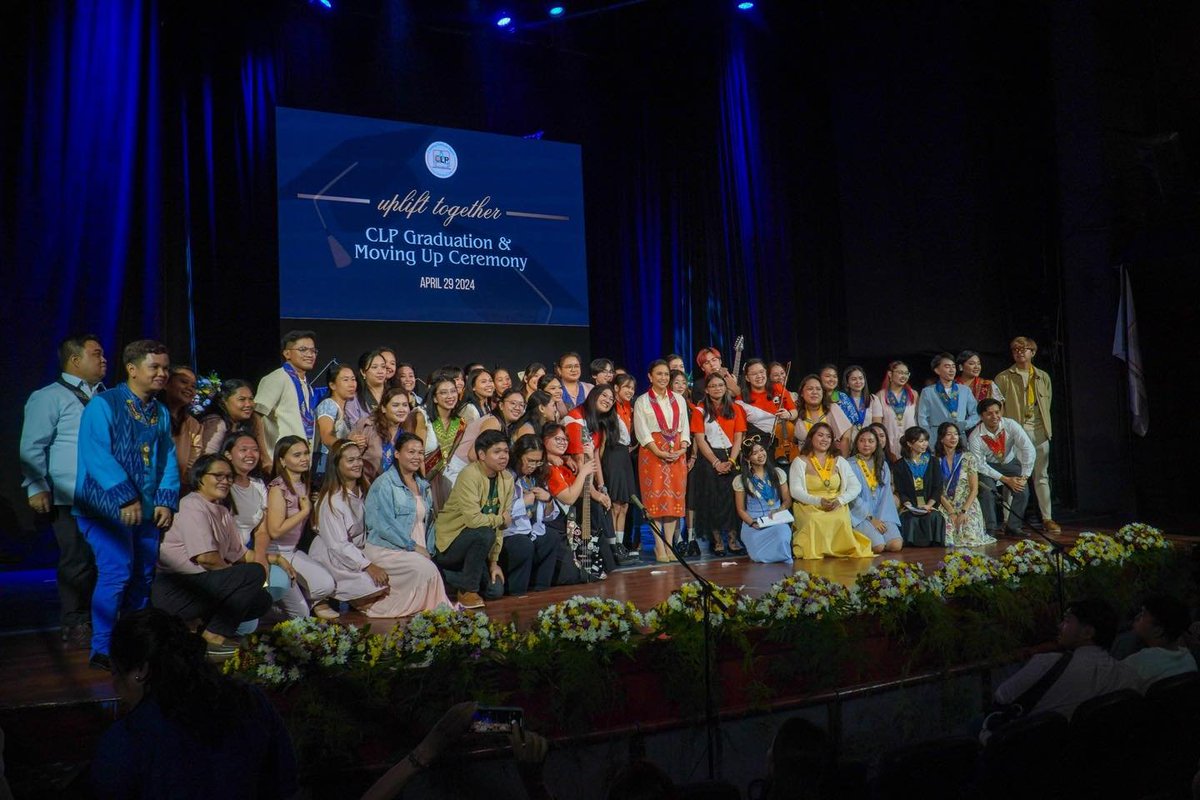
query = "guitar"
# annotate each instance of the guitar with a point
(739, 344)
(584, 548)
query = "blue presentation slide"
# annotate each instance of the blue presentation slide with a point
(382, 220)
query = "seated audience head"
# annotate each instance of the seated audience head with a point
(83, 356)
(642, 780)
(154, 655)
(1162, 621)
(300, 349)
(1088, 621)
(801, 761)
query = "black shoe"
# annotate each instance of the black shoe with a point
(693, 549)
(77, 636)
(100, 661)
(624, 557)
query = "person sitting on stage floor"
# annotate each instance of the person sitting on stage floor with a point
(816, 407)
(885, 447)
(288, 509)
(399, 518)
(248, 502)
(341, 535)
(528, 555)
(873, 512)
(204, 569)
(1086, 632)
(760, 492)
(230, 412)
(126, 487)
(894, 406)
(717, 432)
(960, 490)
(190, 732)
(1005, 455)
(822, 485)
(49, 456)
(946, 400)
(918, 486)
(469, 527)
(1159, 627)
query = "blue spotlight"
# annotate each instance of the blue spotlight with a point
(326, 3)
(745, 5)
(504, 20)
(556, 11)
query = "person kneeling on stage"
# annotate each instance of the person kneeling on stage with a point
(399, 518)
(204, 569)
(873, 513)
(822, 485)
(469, 527)
(1005, 456)
(528, 554)
(761, 495)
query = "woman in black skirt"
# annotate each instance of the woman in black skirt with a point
(718, 438)
(617, 461)
(918, 485)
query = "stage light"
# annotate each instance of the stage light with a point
(504, 20)
(556, 11)
(326, 3)
(745, 5)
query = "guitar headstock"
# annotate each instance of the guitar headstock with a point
(739, 344)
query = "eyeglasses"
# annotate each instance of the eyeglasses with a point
(221, 477)
(560, 438)
(305, 350)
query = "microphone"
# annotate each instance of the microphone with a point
(637, 501)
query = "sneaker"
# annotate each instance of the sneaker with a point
(1051, 526)
(470, 600)
(624, 557)
(100, 661)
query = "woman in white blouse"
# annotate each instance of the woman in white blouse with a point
(661, 425)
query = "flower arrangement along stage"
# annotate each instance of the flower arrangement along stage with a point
(582, 660)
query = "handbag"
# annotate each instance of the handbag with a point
(1027, 701)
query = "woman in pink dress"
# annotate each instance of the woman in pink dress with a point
(399, 517)
(894, 406)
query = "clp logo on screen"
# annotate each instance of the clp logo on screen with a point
(441, 160)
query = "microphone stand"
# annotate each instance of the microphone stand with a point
(1056, 549)
(323, 392)
(708, 598)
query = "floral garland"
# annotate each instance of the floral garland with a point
(1093, 548)
(962, 569)
(443, 629)
(798, 595)
(208, 387)
(686, 604)
(590, 620)
(284, 654)
(1142, 537)
(889, 582)
(1027, 557)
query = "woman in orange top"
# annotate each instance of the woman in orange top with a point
(765, 403)
(718, 440)
(660, 423)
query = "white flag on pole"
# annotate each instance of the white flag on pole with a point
(1125, 347)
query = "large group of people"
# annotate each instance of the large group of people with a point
(394, 495)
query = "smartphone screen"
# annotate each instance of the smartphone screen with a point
(496, 719)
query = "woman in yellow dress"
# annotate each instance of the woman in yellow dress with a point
(822, 485)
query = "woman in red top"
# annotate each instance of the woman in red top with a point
(572, 486)
(767, 404)
(718, 437)
(597, 417)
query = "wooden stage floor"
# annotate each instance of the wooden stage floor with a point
(35, 668)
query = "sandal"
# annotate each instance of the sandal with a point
(717, 548)
(737, 548)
